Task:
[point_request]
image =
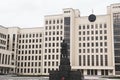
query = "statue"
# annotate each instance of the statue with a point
(64, 72)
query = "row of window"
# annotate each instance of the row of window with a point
(29, 57)
(96, 26)
(2, 42)
(95, 72)
(93, 38)
(30, 46)
(50, 63)
(92, 32)
(92, 44)
(4, 59)
(2, 36)
(30, 41)
(29, 70)
(54, 27)
(54, 21)
(52, 44)
(96, 50)
(47, 70)
(51, 57)
(53, 33)
(93, 60)
(29, 52)
(1, 47)
(52, 50)
(53, 38)
(30, 35)
(29, 64)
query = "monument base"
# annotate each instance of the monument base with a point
(65, 75)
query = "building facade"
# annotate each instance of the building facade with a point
(93, 42)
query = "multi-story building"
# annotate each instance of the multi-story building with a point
(93, 43)
(6, 56)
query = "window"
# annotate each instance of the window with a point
(92, 60)
(56, 56)
(61, 26)
(96, 44)
(83, 26)
(92, 32)
(105, 50)
(101, 44)
(100, 31)
(106, 60)
(101, 59)
(80, 60)
(45, 70)
(53, 50)
(105, 37)
(79, 50)
(96, 37)
(88, 60)
(53, 56)
(79, 33)
(45, 63)
(49, 63)
(46, 22)
(84, 60)
(102, 72)
(97, 60)
(79, 44)
(49, 57)
(100, 37)
(92, 26)
(57, 44)
(105, 43)
(61, 21)
(96, 32)
(45, 57)
(52, 63)
(92, 44)
(105, 25)
(49, 21)
(79, 27)
(105, 31)
(32, 57)
(83, 44)
(57, 21)
(53, 21)
(83, 32)
(49, 33)
(101, 50)
(100, 25)
(88, 27)
(49, 27)
(35, 57)
(79, 38)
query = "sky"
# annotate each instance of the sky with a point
(30, 13)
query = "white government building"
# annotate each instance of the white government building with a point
(94, 44)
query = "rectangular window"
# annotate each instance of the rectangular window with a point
(106, 60)
(101, 59)
(80, 60)
(88, 58)
(84, 60)
(92, 60)
(97, 60)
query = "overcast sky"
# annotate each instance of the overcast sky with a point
(30, 13)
